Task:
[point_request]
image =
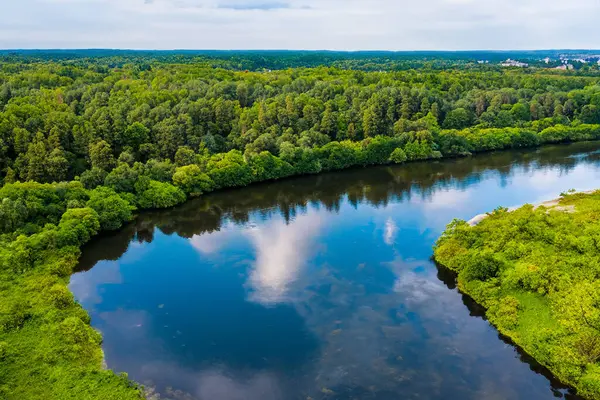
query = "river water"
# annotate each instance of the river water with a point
(320, 287)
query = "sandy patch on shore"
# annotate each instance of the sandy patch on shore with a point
(550, 205)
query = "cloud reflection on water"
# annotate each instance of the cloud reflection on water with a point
(548, 183)
(390, 232)
(211, 243)
(142, 353)
(448, 198)
(87, 287)
(212, 383)
(282, 250)
(413, 287)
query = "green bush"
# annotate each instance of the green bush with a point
(160, 195)
(4, 350)
(93, 178)
(229, 170)
(113, 211)
(77, 226)
(192, 180)
(265, 166)
(60, 296)
(14, 315)
(505, 312)
(398, 156)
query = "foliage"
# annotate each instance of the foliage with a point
(112, 209)
(77, 226)
(398, 156)
(64, 119)
(229, 170)
(84, 142)
(47, 347)
(192, 180)
(157, 194)
(537, 270)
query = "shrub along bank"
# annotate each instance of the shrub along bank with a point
(537, 272)
(48, 349)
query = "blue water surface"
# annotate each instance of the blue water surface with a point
(320, 287)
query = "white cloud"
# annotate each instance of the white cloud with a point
(447, 199)
(87, 286)
(416, 288)
(281, 253)
(210, 243)
(389, 235)
(300, 24)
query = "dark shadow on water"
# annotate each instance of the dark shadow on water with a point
(376, 186)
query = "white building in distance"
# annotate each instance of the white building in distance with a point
(514, 63)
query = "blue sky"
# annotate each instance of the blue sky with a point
(301, 24)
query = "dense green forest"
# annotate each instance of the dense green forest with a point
(536, 271)
(85, 142)
(107, 125)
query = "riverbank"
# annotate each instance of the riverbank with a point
(535, 270)
(52, 222)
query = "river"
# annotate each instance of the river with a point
(320, 287)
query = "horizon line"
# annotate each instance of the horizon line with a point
(299, 50)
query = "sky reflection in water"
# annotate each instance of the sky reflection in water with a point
(319, 287)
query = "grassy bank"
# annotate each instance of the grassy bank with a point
(48, 350)
(537, 272)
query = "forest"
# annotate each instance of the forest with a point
(87, 142)
(536, 272)
(104, 126)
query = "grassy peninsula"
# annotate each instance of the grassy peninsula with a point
(537, 272)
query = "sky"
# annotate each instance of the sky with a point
(301, 24)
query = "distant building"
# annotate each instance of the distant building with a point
(565, 67)
(547, 60)
(514, 63)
